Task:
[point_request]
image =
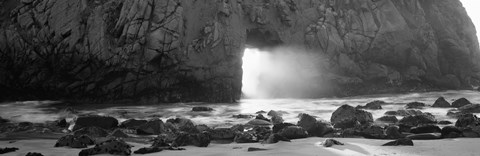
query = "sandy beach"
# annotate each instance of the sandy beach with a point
(298, 147)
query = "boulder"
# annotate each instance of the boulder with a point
(345, 115)
(331, 142)
(392, 132)
(74, 141)
(104, 122)
(415, 105)
(460, 102)
(374, 105)
(470, 108)
(444, 122)
(425, 129)
(245, 137)
(111, 146)
(253, 149)
(312, 126)
(387, 119)
(34, 154)
(242, 116)
(293, 132)
(455, 113)
(277, 127)
(373, 132)
(277, 119)
(118, 134)
(202, 109)
(258, 122)
(147, 150)
(467, 120)
(441, 103)
(222, 134)
(408, 112)
(274, 138)
(390, 113)
(261, 117)
(415, 120)
(94, 132)
(198, 139)
(447, 130)
(132, 123)
(400, 142)
(8, 150)
(152, 127)
(183, 124)
(274, 113)
(425, 136)
(469, 132)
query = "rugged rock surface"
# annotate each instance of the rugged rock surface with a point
(400, 142)
(183, 50)
(104, 122)
(415, 105)
(460, 103)
(345, 116)
(467, 120)
(415, 120)
(372, 105)
(441, 102)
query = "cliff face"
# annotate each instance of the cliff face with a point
(191, 50)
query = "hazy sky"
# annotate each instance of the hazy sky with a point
(473, 9)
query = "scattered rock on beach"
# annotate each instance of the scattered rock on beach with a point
(222, 134)
(451, 132)
(392, 132)
(277, 127)
(252, 149)
(331, 142)
(312, 126)
(8, 150)
(390, 113)
(347, 114)
(415, 120)
(261, 117)
(415, 105)
(147, 150)
(111, 146)
(104, 122)
(425, 129)
(274, 138)
(258, 122)
(183, 124)
(373, 132)
(133, 123)
(293, 132)
(374, 105)
(34, 154)
(202, 109)
(425, 136)
(441, 103)
(242, 116)
(246, 137)
(470, 108)
(118, 134)
(444, 122)
(152, 127)
(91, 131)
(387, 119)
(400, 142)
(198, 139)
(467, 120)
(74, 141)
(408, 112)
(460, 102)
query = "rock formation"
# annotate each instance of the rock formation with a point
(191, 50)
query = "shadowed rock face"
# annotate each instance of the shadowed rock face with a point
(184, 50)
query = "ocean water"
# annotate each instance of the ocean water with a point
(41, 111)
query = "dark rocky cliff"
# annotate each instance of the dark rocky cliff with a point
(191, 50)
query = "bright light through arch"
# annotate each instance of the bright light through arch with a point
(251, 71)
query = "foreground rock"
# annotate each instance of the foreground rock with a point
(467, 120)
(112, 146)
(198, 139)
(460, 102)
(425, 136)
(400, 142)
(312, 126)
(152, 127)
(8, 150)
(74, 141)
(387, 119)
(293, 132)
(274, 138)
(470, 108)
(425, 129)
(331, 142)
(374, 105)
(451, 132)
(415, 120)
(133, 123)
(34, 154)
(104, 122)
(346, 116)
(441, 103)
(91, 131)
